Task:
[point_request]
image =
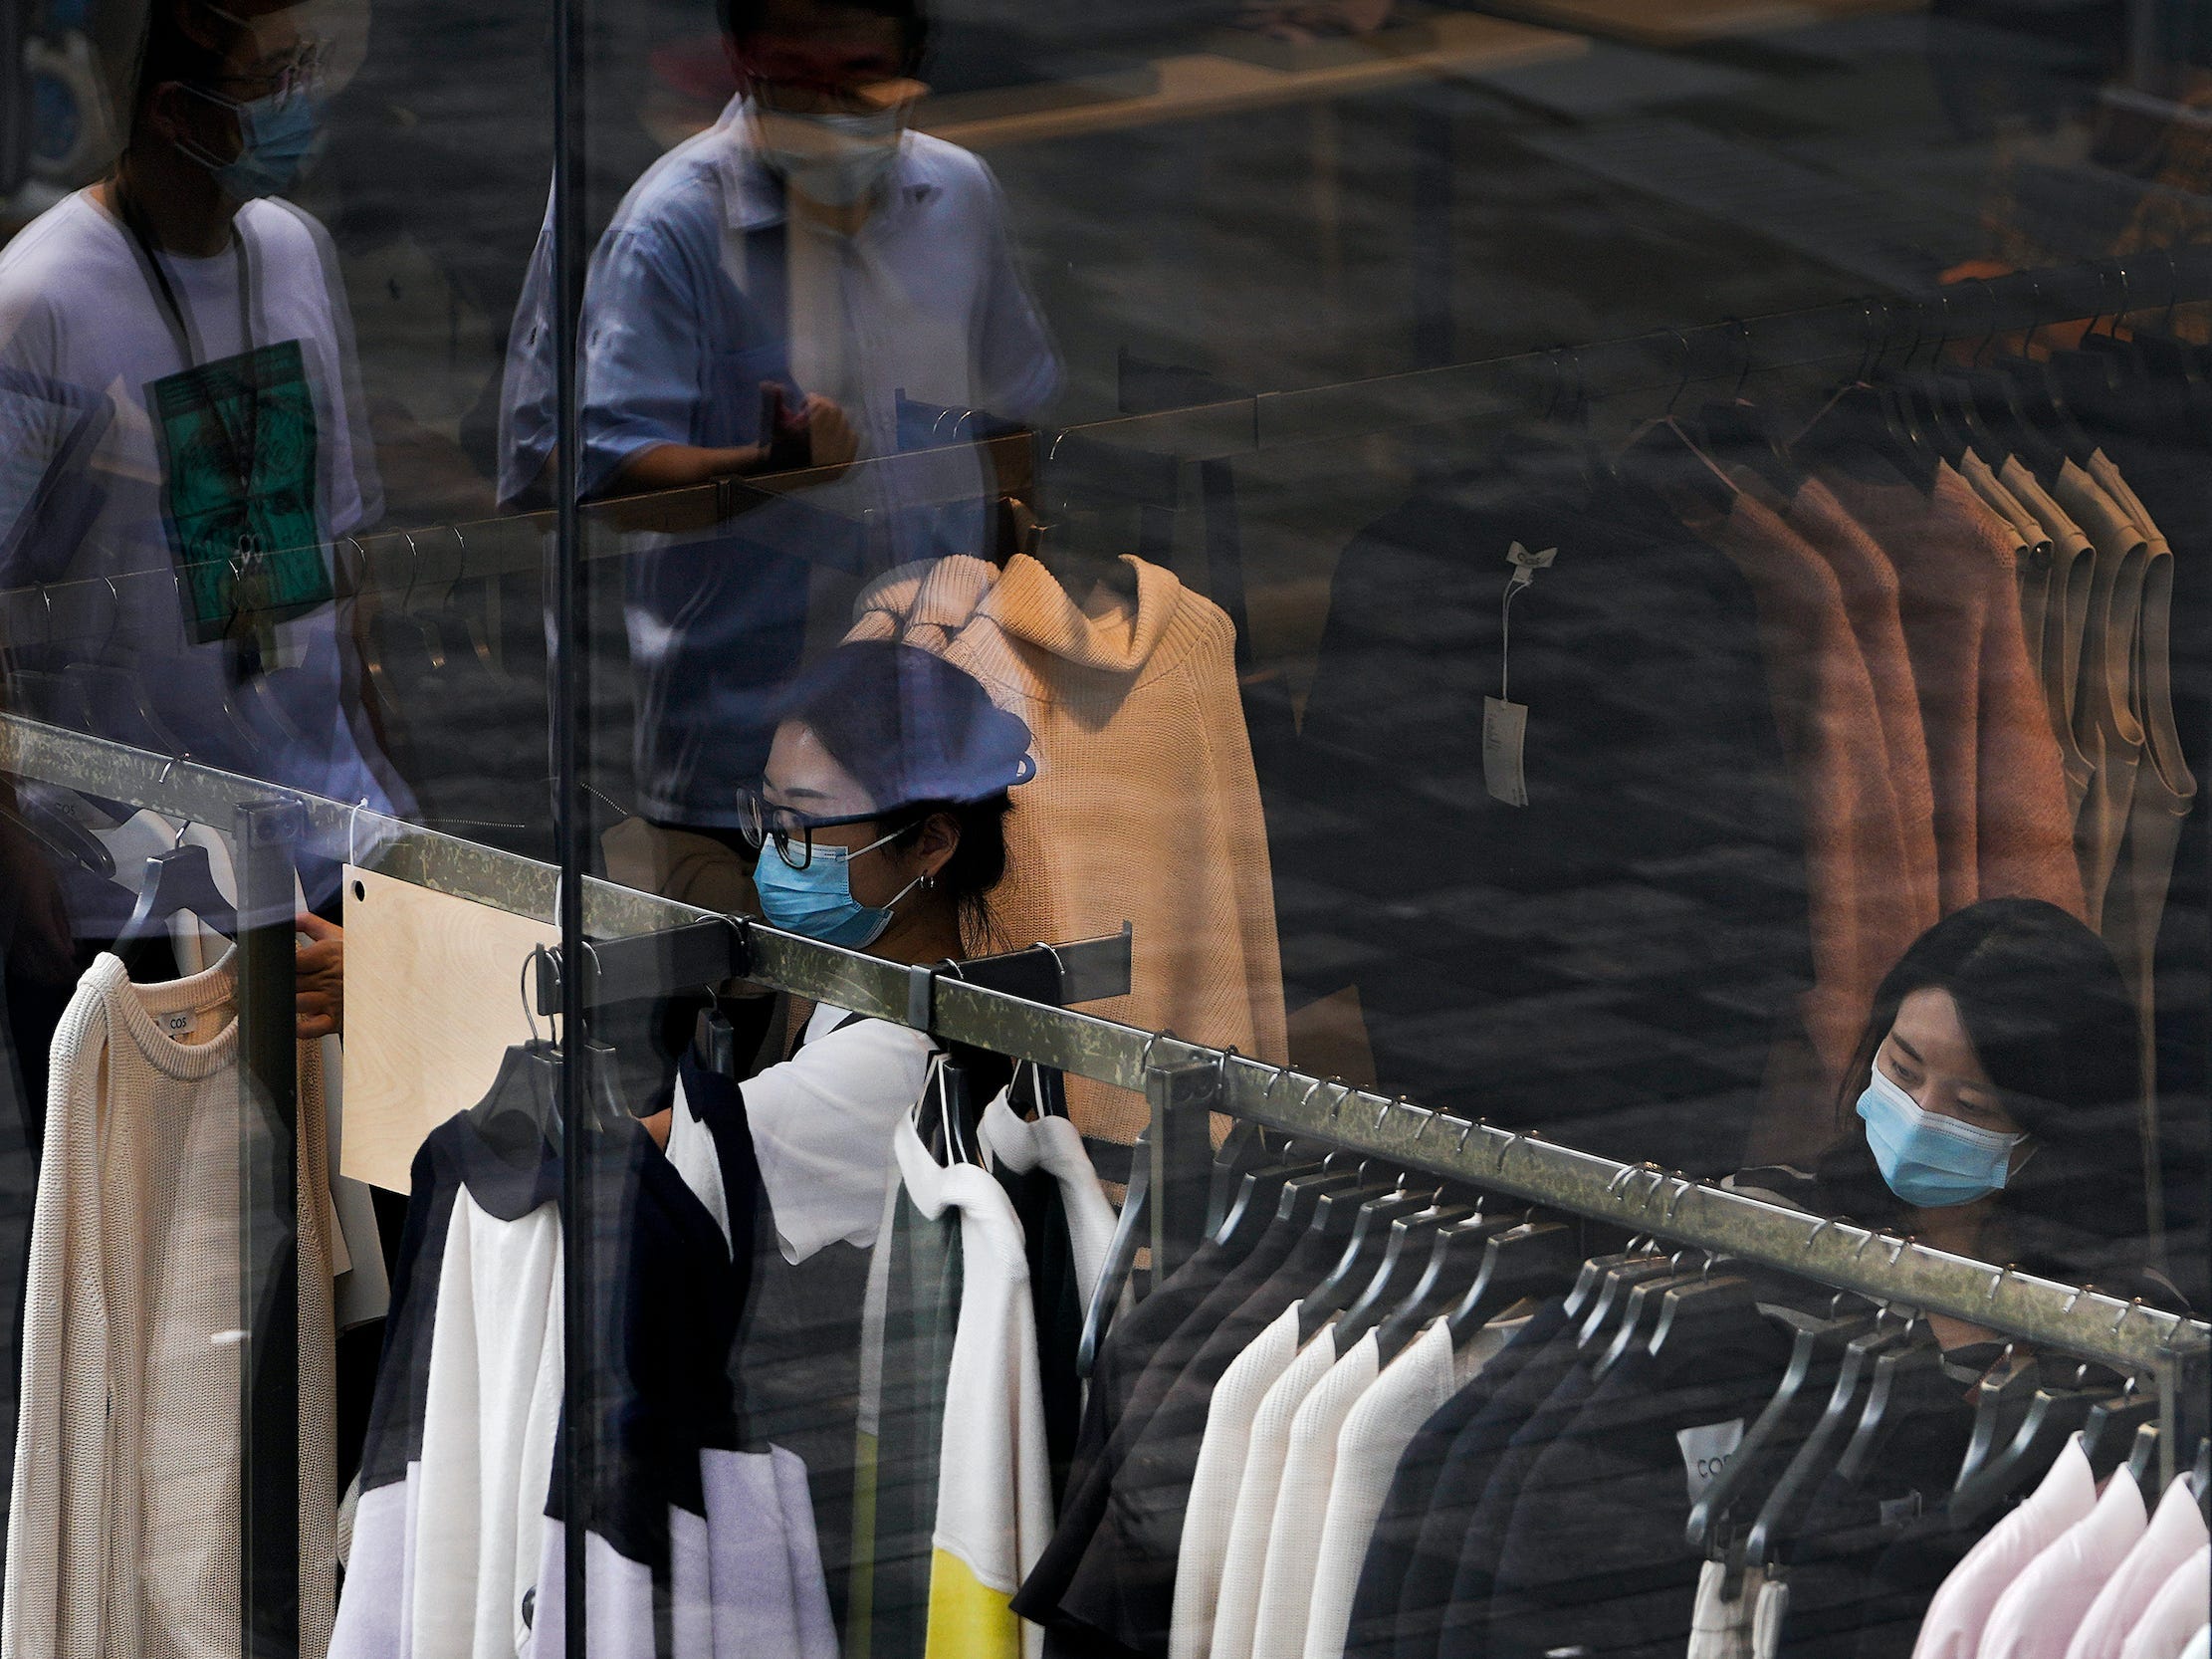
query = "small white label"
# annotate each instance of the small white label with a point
(1504, 733)
(180, 1023)
(1706, 1451)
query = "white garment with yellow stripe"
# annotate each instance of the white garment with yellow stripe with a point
(994, 1501)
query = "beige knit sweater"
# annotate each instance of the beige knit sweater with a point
(1145, 807)
(123, 1538)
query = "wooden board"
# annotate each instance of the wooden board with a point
(433, 997)
(1685, 22)
(1203, 84)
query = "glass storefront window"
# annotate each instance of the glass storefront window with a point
(909, 827)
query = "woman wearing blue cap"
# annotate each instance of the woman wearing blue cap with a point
(878, 826)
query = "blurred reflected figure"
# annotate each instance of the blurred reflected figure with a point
(766, 294)
(178, 398)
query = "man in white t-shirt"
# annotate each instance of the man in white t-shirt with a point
(178, 398)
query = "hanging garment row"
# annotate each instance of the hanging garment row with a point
(1368, 1417)
(130, 1353)
(1855, 671)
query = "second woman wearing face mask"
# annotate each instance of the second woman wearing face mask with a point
(1994, 1106)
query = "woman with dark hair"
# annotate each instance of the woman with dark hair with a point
(1993, 1107)
(878, 825)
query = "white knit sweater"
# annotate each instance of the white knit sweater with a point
(123, 1539)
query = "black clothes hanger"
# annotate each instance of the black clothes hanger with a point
(1405, 1258)
(2001, 1399)
(1454, 1262)
(1785, 1505)
(2109, 1435)
(2054, 1415)
(1636, 1317)
(2142, 1460)
(1120, 1255)
(1257, 1204)
(1815, 1356)
(1610, 1307)
(178, 879)
(946, 1113)
(1244, 1148)
(1363, 1255)
(525, 1088)
(1537, 1259)
(1854, 427)
(38, 814)
(1909, 1382)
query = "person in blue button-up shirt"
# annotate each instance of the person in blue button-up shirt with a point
(766, 294)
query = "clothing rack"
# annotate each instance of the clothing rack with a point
(1185, 1082)
(1862, 331)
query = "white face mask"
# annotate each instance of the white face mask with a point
(836, 160)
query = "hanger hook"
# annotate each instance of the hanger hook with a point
(414, 570)
(529, 1013)
(1981, 346)
(1743, 356)
(2174, 290)
(1681, 341)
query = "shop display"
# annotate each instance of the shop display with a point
(1351, 831)
(127, 1425)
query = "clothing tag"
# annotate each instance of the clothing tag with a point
(178, 1024)
(1527, 564)
(1504, 732)
(1896, 1512)
(1706, 1451)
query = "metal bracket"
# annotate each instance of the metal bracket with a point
(1183, 1094)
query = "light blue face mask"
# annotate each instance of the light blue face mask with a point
(1929, 1160)
(277, 136)
(818, 900)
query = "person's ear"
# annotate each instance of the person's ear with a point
(164, 112)
(938, 841)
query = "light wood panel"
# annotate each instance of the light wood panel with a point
(433, 997)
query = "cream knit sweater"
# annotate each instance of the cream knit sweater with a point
(123, 1540)
(1145, 807)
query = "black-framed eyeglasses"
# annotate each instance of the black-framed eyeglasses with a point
(763, 822)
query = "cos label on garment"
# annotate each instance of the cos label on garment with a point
(1706, 1451)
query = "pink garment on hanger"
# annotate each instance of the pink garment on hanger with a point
(2036, 1616)
(2176, 1613)
(2176, 1532)
(1961, 1611)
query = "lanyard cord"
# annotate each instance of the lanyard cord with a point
(241, 454)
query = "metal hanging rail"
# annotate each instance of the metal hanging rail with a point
(1853, 332)
(1186, 1080)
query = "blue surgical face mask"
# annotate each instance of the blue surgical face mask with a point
(277, 136)
(834, 159)
(1929, 1160)
(818, 900)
